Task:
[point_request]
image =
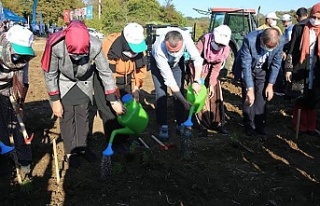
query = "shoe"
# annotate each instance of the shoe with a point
(222, 130)
(88, 155)
(72, 160)
(261, 131)
(25, 171)
(249, 131)
(164, 134)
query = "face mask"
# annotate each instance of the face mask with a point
(130, 54)
(266, 48)
(216, 46)
(273, 23)
(314, 22)
(77, 57)
(174, 54)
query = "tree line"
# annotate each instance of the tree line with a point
(116, 13)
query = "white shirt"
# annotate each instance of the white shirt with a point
(165, 61)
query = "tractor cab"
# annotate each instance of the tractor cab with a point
(240, 21)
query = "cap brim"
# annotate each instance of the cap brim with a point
(137, 48)
(222, 41)
(23, 50)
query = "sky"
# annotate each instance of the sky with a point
(186, 6)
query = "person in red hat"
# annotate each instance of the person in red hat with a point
(68, 70)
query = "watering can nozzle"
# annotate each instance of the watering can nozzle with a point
(4, 149)
(108, 151)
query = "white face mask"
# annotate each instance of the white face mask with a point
(215, 46)
(264, 47)
(314, 22)
(174, 54)
(130, 54)
(273, 23)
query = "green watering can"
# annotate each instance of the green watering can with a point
(197, 101)
(134, 121)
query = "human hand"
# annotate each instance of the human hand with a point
(211, 91)
(118, 107)
(284, 56)
(269, 92)
(57, 108)
(288, 76)
(250, 97)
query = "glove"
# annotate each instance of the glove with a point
(288, 63)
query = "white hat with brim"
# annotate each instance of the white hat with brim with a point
(272, 15)
(21, 40)
(133, 33)
(222, 34)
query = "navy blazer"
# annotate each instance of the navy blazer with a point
(248, 58)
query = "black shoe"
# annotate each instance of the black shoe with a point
(88, 155)
(261, 131)
(222, 130)
(249, 131)
(73, 161)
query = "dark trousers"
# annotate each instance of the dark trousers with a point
(255, 116)
(9, 126)
(161, 94)
(74, 127)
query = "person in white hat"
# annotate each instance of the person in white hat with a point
(287, 24)
(15, 53)
(270, 21)
(126, 54)
(214, 48)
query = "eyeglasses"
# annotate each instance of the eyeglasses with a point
(17, 58)
(314, 17)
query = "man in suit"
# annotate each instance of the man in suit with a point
(257, 65)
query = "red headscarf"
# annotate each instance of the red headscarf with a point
(77, 41)
(305, 40)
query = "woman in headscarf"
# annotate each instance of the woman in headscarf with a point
(307, 72)
(68, 70)
(214, 49)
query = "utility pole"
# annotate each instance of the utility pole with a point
(99, 8)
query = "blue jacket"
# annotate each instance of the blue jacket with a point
(248, 57)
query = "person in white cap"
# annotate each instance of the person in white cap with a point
(270, 21)
(16, 52)
(125, 52)
(167, 69)
(287, 24)
(214, 48)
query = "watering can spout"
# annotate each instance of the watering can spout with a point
(4, 149)
(108, 151)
